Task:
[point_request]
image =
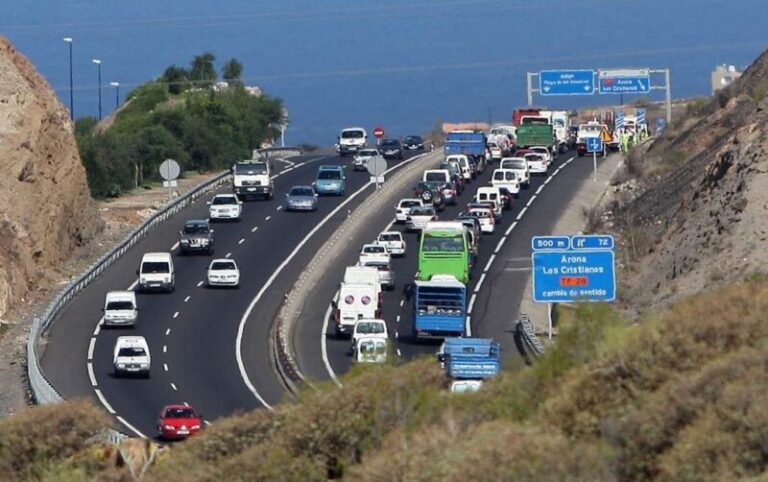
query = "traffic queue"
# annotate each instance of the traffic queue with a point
(446, 251)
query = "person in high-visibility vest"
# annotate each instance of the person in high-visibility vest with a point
(623, 139)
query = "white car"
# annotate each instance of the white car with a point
(360, 161)
(374, 252)
(506, 178)
(545, 152)
(120, 308)
(225, 206)
(466, 173)
(369, 349)
(223, 272)
(393, 241)
(485, 218)
(369, 327)
(131, 356)
(520, 166)
(404, 206)
(536, 163)
(419, 216)
(495, 151)
(465, 386)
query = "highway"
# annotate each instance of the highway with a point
(493, 308)
(209, 347)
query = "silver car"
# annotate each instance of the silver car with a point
(360, 161)
(301, 198)
(386, 274)
(419, 216)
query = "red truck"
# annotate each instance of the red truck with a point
(518, 114)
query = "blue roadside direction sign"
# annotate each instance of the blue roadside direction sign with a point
(594, 144)
(624, 81)
(661, 123)
(566, 82)
(585, 272)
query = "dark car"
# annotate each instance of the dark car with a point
(391, 149)
(506, 197)
(431, 192)
(197, 236)
(413, 143)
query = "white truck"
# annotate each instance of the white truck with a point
(253, 178)
(351, 140)
(560, 125)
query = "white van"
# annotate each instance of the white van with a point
(156, 272)
(520, 166)
(371, 349)
(131, 356)
(466, 173)
(490, 194)
(438, 175)
(120, 308)
(351, 140)
(506, 178)
(363, 275)
(355, 302)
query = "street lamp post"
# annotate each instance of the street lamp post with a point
(71, 81)
(98, 64)
(116, 85)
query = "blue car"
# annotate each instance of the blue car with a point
(330, 180)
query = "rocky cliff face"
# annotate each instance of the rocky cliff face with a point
(701, 218)
(45, 207)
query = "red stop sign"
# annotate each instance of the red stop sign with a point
(378, 132)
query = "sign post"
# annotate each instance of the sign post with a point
(377, 166)
(378, 132)
(595, 145)
(169, 171)
(574, 268)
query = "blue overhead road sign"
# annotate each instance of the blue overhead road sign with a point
(585, 272)
(541, 243)
(594, 144)
(566, 82)
(624, 81)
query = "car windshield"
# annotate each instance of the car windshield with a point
(436, 176)
(131, 351)
(542, 150)
(370, 327)
(409, 204)
(435, 243)
(374, 249)
(152, 267)
(120, 305)
(329, 175)
(390, 143)
(422, 211)
(477, 213)
(223, 200)
(414, 139)
(223, 265)
(180, 412)
(534, 157)
(302, 191)
(352, 135)
(493, 145)
(390, 237)
(513, 164)
(196, 229)
(255, 168)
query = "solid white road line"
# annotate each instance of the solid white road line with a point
(91, 375)
(176, 245)
(104, 401)
(130, 427)
(271, 279)
(468, 323)
(97, 330)
(91, 346)
(489, 263)
(324, 348)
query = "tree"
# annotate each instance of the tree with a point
(203, 73)
(232, 71)
(176, 78)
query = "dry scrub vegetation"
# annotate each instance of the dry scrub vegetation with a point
(679, 397)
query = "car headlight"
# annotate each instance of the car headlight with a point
(144, 365)
(167, 279)
(195, 427)
(121, 365)
(184, 241)
(168, 427)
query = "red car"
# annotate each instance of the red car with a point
(177, 422)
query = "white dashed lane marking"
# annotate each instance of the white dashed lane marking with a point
(176, 315)
(165, 366)
(200, 284)
(267, 218)
(173, 385)
(186, 299)
(241, 241)
(167, 332)
(253, 230)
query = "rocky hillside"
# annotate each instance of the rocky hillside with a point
(47, 210)
(697, 214)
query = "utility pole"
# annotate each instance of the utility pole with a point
(98, 64)
(116, 85)
(71, 81)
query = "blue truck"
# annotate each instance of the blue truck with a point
(470, 143)
(470, 358)
(439, 307)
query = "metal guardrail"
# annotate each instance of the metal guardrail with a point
(525, 328)
(42, 390)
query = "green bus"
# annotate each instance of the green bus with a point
(444, 249)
